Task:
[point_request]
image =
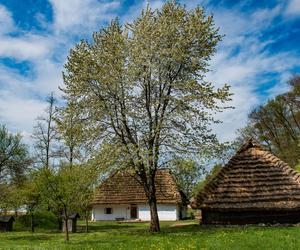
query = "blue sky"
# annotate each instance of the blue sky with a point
(259, 53)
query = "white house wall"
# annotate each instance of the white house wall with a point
(165, 212)
(118, 211)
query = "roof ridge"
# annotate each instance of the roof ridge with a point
(250, 143)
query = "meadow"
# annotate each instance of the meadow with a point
(174, 235)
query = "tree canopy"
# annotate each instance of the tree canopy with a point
(14, 156)
(186, 173)
(277, 124)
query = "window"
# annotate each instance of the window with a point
(108, 210)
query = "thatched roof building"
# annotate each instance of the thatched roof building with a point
(124, 188)
(122, 196)
(254, 187)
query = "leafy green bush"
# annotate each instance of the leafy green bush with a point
(297, 168)
(43, 220)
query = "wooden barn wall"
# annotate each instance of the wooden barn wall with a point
(250, 217)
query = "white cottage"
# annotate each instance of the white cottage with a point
(121, 197)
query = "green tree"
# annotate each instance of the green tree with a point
(14, 162)
(141, 88)
(201, 184)
(68, 190)
(31, 196)
(87, 178)
(276, 124)
(11, 198)
(186, 173)
(14, 156)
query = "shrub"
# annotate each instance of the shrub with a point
(42, 220)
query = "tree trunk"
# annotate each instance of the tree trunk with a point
(71, 156)
(32, 223)
(86, 222)
(66, 217)
(154, 224)
(60, 223)
(66, 229)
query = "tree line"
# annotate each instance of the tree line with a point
(60, 174)
(54, 177)
(276, 124)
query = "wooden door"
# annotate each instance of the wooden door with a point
(133, 212)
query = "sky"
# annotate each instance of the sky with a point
(259, 52)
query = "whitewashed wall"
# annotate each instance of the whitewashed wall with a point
(165, 212)
(119, 211)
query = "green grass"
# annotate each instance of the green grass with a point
(174, 235)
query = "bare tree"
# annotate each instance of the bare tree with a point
(45, 133)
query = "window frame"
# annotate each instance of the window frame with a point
(106, 210)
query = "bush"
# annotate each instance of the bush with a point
(297, 168)
(42, 220)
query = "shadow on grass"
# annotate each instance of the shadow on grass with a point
(105, 227)
(32, 237)
(212, 229)
(143, 228)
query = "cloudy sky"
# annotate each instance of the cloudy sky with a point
(258, 54)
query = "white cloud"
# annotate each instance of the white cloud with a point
(45, 78)
(135, 10)
(234, 23)
(49, 77)
(293, 7)
(243, 59)
(28, 47)
(154, 4)
(19, 113)
(10, 79)
(6, 21)
(281, 86)
(244, 100)
(22, 98)
(75, 16)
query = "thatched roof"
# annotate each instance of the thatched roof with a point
(253, 179)
(6, 219)
(124, 188)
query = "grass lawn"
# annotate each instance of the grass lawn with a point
(174, 235)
